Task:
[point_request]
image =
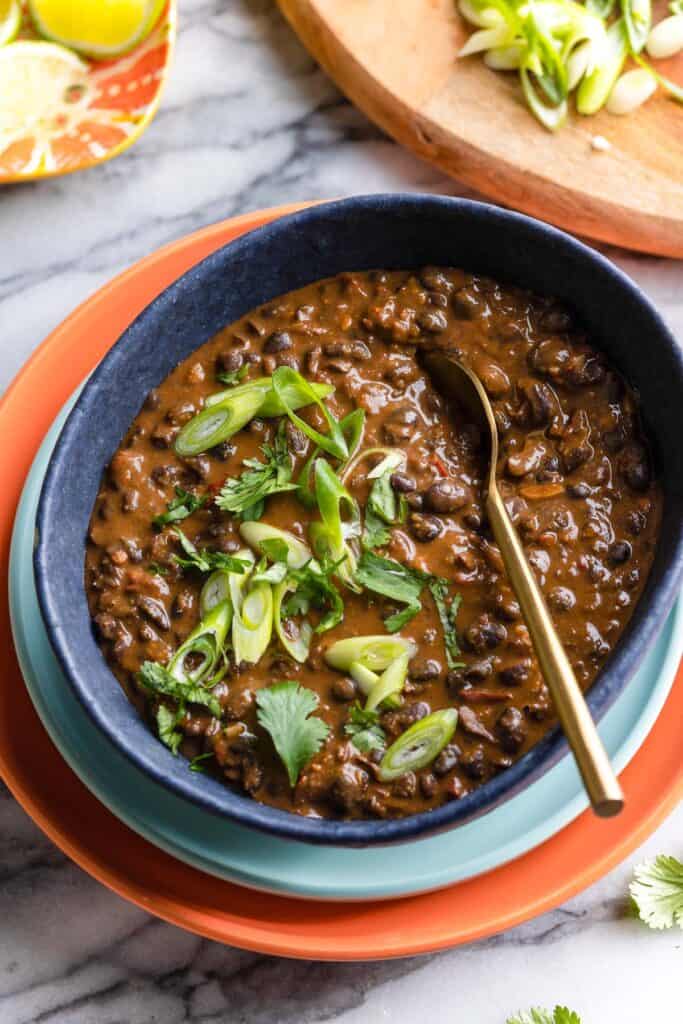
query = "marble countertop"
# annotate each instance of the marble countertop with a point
(249, 121)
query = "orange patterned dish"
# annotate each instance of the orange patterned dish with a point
(96, 110)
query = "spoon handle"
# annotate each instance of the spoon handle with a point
(601, 783)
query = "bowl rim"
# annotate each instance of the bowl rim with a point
(154, 759)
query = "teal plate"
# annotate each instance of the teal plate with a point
(240, 855)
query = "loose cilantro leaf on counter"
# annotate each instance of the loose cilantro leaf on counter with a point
(283, 711)
(448, 614)
(657, 891)
(560, 1015)
(153, 676)
(180, 507)
(205, 560)
(364, 729)
(245, 494)
(233, 376)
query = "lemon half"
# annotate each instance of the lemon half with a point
(97, 28)
(10, 20)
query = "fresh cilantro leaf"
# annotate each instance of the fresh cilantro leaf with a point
(153, 676)
(560, 1015)
(196, 764)
(375, 531)
(397, 582)
(244, 495)
(315, 589)
(364, 729)
(657, 889)
(205, 560)
(157, 570)
(167, 721)
(447, 613)
(283, 711)
(233, 376)
(180, 507)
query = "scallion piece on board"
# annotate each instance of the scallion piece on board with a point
(595, 88)
(638, 21)
(419, 745)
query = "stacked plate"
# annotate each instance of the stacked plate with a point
(166, 856)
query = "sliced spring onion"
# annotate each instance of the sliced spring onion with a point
(419, 745)
(205, 642)
(330, 538)
(603, 8)
(672, 89)
(252, 625)
(487, 39)
(504, 58)
(479, 14)
(287, 381)
(666, 38)
(219, 422)
(595, 88)
(638, 21)
(272, 405)
(630, 91)
(297, 646)
(578, 64)
(215, 591)
(298, 553)
(365, 677)
(389, 684)
(352, 427)
(375, 652)
(237, 583)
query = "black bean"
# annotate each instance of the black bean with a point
(580, 490)
(229, 362)
(344, 689)
(619, 552)
(425, 669)
(155, 611)
(561, 599)
(402, 483)
(432, 320)
(223, 451)
(485, 634)
(447, 760)
(415, 501)
(474, 764)
(515, 675)
(279, 341)
(405, 787)
(152, 401)
(446, 496)
(478, 670)
(511, 729)
(425, 527)
(428, 785)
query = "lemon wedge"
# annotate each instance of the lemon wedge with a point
(97, 28)
(10, 20)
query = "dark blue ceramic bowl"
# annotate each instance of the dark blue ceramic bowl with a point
(388, 231)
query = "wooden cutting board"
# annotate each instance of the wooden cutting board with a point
(396, 60)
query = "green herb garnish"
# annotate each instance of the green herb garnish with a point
(285, 381)
(245, 495)
(312, 587)
(157, 679)
(284, 711)
(447, 613)
(657, 891)
(233, 376)
(167, 721)
(398, 582)
(384, 508)
(364, 730)
(560, 1015)
(196, 764)
(205, 560)
(156, 569)
(180, 507)
(340, 523)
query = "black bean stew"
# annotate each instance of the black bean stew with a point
(236, 540)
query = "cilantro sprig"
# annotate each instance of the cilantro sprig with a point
(364, 730)
(245, 495)
(312, 587)
(560, 1015)
(285, 711)
(448, 614)
(384, 508)
(180, 507)
(154, 678)
(657, 891)
(205, 560)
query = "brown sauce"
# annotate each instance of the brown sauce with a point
(574, 471)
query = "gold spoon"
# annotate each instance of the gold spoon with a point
(459, 382)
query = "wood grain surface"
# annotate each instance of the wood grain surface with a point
(396, 60)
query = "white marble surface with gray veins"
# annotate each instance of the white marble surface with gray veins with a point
(248, 121)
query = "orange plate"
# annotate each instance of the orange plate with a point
(132, 867)
(105, 116)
